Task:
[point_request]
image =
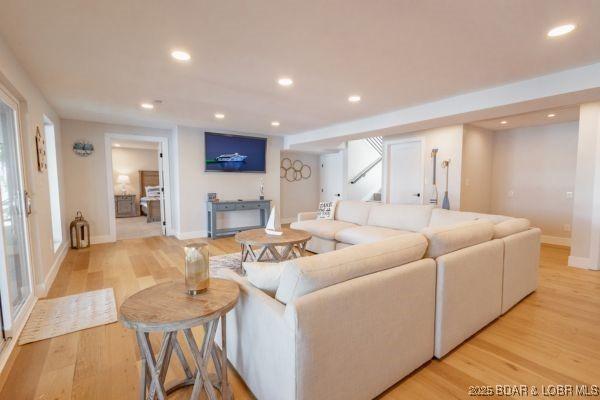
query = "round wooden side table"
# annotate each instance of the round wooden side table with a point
(293, 242)
(168, 308)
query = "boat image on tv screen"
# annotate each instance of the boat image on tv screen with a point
(234, 153)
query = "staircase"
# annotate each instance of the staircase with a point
(377, 144)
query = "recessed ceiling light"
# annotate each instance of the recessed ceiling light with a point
(561, 30)
(219, 115)
(354, 98)
(275, 123)
(504, 122)
(551, 115)
(181, 55)
(117, 145)
(147, 106)
(285, 81)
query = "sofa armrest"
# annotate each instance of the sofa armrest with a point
(357, 338)
(521, 262)
(260, 342)
(304, 216)
(468, 293)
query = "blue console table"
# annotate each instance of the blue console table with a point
(213, 208)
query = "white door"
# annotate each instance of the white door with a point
(404, 173)
(15, 274)
(161, 183)
(332, 176)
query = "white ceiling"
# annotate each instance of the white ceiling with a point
(566, 114)
(98, 60)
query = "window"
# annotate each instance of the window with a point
(51, 158)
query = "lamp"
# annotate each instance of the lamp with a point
(123, 180)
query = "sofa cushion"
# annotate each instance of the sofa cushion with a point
(264, 275)
(441, 217)
(308, 274)
(446, 239)
(511, 226)
(366, 234)
(323, 228)
(340, 245)
(356, 212)
(400, 216)
(319, 245)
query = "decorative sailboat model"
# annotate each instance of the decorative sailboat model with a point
(273, 224)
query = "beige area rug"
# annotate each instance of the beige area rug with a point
(228, 261)
(56, 317)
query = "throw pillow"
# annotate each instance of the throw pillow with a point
(264, 275)
(326, 210)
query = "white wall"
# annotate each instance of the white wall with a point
(130, 162)
(359, 155)
(85, 177)
(585, 238)
(303, 195)
(538, 165)
(33, 108)
(476, 176)
(45, 260)
(449, 141)
(194, 184)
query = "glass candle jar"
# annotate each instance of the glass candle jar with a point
(196, 267)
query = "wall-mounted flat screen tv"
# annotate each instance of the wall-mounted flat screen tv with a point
(234, 153)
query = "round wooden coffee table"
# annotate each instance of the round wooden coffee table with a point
(168, 308)
(293, 242)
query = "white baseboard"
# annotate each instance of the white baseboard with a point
(556, 240)
(582, 262)
(191, 235)
(101, 239)
(41, 289)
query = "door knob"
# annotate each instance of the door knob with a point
(417, 194)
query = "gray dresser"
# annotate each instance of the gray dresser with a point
(263, 207)
(125, 205)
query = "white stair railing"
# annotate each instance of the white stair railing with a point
(377, 144)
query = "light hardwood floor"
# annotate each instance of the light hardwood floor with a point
(137, 227)
(552, 337)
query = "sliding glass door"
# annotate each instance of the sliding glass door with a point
(15, 280)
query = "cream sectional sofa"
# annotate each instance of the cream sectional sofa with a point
(395, 285)
(341, 325)
(485, 263)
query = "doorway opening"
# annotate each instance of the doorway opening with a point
(137, 179)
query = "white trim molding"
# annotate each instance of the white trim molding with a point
(17, 328)
(164, 148)
(41, 289)
(102, 239)
(191, 235)
(581, 262)
(556, 240)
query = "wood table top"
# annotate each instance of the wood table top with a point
(168, 306)
(259, 237)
